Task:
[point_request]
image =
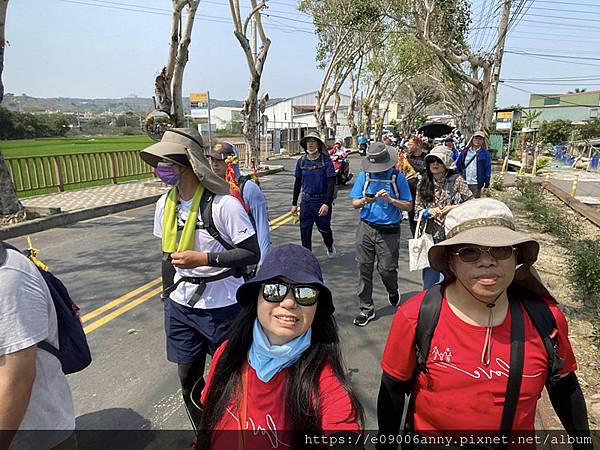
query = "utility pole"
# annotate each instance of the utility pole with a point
(497, 61)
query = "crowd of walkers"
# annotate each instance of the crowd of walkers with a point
(472, 352)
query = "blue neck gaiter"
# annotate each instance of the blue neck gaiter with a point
(269, 359)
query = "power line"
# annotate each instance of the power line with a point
(555, 56)
(556, 60)
(541, 95)
(576, 11)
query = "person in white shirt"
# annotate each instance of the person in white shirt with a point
(35, 397)
(203, 254)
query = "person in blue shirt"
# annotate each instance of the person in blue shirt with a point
(362, 144)
(475, 164)
(380, 192)
(225, 153)
(315, 177)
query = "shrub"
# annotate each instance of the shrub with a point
(542, 162)
(585, 267)
(498, 183)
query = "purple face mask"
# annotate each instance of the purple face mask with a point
(167, 173)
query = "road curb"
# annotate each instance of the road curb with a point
(67, 218)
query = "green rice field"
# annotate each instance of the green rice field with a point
(87, 144)
(81, 172)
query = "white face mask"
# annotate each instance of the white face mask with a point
(313, 151)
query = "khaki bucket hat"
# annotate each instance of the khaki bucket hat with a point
(180, 143)
(442, 153)
(314, 135)
(490, 223)
(486, 222)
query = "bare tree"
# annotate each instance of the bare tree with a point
(168, 83)
(256, 61)
(441, 26)
(345, 29)
(11, 209)
(354, 82)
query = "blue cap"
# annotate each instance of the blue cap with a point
(295, 263)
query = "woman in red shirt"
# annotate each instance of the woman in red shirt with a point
(279, 380)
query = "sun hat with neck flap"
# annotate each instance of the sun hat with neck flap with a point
(184, 146)
(442, 153)
(489, 223)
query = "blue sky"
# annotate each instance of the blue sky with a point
(102, 48)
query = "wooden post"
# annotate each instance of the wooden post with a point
(111, 168)
(504, 165)
(574, 186)
(58, 174)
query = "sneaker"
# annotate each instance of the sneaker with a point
(331, 252)
(363, 318)
(393, 299)
(404, 215)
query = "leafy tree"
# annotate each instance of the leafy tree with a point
(589, 129)
(555, 131)
(531, 117)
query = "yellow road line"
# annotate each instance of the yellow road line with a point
(283, 222)
(280, 218)
(122, 310)
(118, 301)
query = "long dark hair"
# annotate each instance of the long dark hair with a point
(302, 396)
(426, 186)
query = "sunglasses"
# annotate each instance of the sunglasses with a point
(275, 291)
(435, 160)
(472, 254)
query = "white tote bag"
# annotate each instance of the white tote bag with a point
(419, 246)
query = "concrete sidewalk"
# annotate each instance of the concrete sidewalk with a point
(63, 208)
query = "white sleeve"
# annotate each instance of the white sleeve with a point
(24, 309)
(158, 215)
(232, 221)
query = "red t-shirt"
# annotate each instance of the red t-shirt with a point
(459, 392)
(267, 423)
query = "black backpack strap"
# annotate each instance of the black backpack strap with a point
(44, 345)
(515, 373)
(3, 253)
(207, 219)
(545, 323)
(242, 182)
(429, 314)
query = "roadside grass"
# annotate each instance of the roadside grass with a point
(85, 144)
(584, 254)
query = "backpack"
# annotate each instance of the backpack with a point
(542, 319)
(536, 308)
(73, 351)
(391, 181)
(242, 181)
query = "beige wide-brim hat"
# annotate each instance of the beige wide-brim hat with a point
(177, 142)
(442, 153)
(486, 143)
(314, 135)
(486, 222)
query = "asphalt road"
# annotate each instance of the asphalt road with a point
(130, 384)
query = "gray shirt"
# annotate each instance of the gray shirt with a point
(27, 316)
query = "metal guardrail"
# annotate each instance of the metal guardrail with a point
(31, 173)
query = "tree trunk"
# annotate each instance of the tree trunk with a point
(11, 209)
(333, 118)
(351, 107)
(3, 8)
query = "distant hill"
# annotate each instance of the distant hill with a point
(26, 103)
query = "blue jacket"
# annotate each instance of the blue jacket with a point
(484, 166)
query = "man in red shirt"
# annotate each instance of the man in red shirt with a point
(472, 361)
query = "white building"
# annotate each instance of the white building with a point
(222, 116)
(287, 121)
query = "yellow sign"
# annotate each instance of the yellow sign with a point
(199, 97)
(504, 115)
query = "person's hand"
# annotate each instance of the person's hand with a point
(323, 210)
(383, 194)
(369, 199)
(294, 210)
(189, 259)
(446, 209)
(434, 212)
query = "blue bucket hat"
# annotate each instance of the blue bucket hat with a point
(295, 263)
